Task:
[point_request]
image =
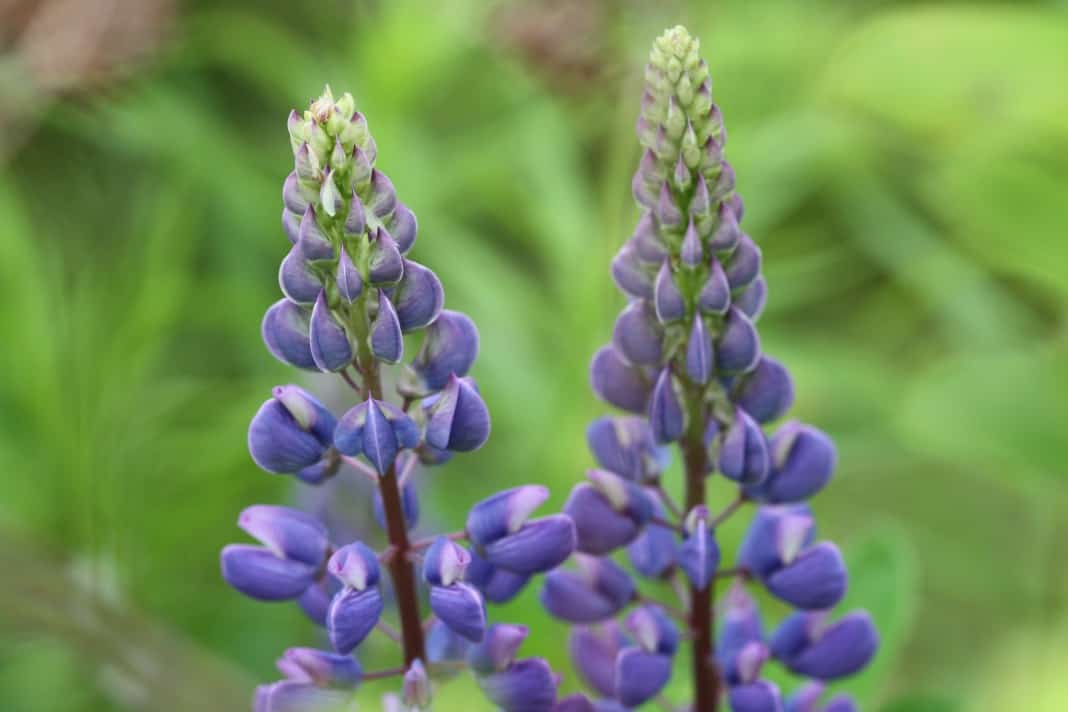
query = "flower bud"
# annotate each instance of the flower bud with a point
(740, 648)
(296, 278)
(691, 252)
(315, 601)
(293, 196)
(593, 651)
(640, 675)
(418, 297)
(630, 274)
(524, 686)
(698, 554)
(646, 241)
(803, 459)
(445, 562)
(597, 591)
(752, 300)
(758, 696)
(416, 688)
(290, 431)
(667, 212)
(383, 198)
(700, 359)
(458, 419)
(403, 226)
(715, 296)
(625, 446)
(330, 196)
(766, 392)
(313, 242)
(743, 454)
(460, 607)
(320, 667)
(743, 266)
(814, 580)
(385, 264)
(259, 573)
(330, 344)
(498, 648)
(349, 282)
(609, 512)
(387, 341)
(808, 646)
(727, 235)
(637, 335)
(841, 703)
(285, 332)
(668, 300)
(619, 383)
(361, 168)
(352, 616)
(378, 430)
(701, 204)
(449, 348)
(496, 584)
(738, 347)
(665, 411)
(653, 631)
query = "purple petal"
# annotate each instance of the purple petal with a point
(727, 234)
(442, 645)
(715, 296)
(806, 698)
(290, 696)
(668, 214)
(743, 455)
(387, 342)
(355, 565)
(288, 533)
(540, 545)
(313, 242)
(653, 630)
(803, 460)
(458, 420)
(445, 562)
(498, 648)
(593, 651)
(355, 219)
(525, 686)
(315, 602)
(637, 335)
(640, 676)
(258, 573)
(349, 282)
(450, 347)
(691, 252)
(698, 554)
(738, 347)
(383, 197)
(291, 225)
(460, 607)
(504, 513)
(403, 226)
(630, 274)
(815, 580)
(574, 703)
(753, 299)
(353, 615)
(743, 266)
(759, 696)
(497, 585)
(320, 667)
(775, 531)
(385, 264)
(840, 650)
(766, 392)
(380, 445)
(296, 278)
(418, 297)
(625, 446)
(700, 359)
(667, 299)
(599, 527)
(330, 344)
(294, 199)
(665, 411)
(277, 441)
(841, 703)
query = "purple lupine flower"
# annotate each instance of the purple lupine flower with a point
(808, 645)
(524, 686)
(499, 529)
(685, 361)
(355, 610)
(291, 432)
(456, 604)
(320, 667)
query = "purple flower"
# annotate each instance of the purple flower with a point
(458, 419)
(743, 452)
(524, 686)
(625, 446)
(766, 392)
(665, 410)
(450, 347)
(802, 462)
(500, 532)
(596, 591)
(738, 346)
(698, 554)
(593, 651)
(418, 297)
(609, 512)
(640, 675)
(808, 645)
(285, 332)
(319, 667)
(619, 383)
(330, 346)
(290, 432)
(377, 430)
(758, 696)
(356, 608)
(498, 649)
(295, 546)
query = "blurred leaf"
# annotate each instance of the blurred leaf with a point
(1003, 413)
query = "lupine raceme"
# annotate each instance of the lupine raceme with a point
(351, 300)
(684, 363)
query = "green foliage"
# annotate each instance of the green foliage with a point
(903, 168)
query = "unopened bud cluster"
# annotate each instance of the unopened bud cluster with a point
(351, 295)
(685, 361)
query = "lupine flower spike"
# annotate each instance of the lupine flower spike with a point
(351, 298)
(685, 362)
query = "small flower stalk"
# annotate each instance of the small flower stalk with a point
(353, 302)
(685, 363)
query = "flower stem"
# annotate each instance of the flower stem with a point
(706, 681)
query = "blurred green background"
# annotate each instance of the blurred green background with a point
(905, 170)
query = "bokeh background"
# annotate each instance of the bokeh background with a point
(905, 170)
